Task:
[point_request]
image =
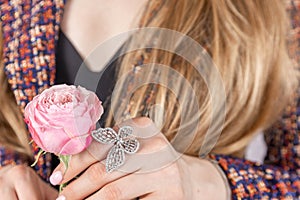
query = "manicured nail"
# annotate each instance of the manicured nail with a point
(61, 198)
(56, 178)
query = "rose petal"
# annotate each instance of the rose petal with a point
(61, 118)
(76, 145)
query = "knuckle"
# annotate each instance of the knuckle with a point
(154, 145)
(20, 171)
(96, 172)
(112, 192)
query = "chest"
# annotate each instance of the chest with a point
(89, 24)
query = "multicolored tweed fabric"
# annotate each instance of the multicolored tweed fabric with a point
(30, 32)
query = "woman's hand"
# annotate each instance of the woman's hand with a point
(20, 182)
(156, 171)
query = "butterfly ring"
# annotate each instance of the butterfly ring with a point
(123, 142)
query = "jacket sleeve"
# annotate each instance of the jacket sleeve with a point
(280, 177)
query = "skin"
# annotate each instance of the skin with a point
(106, 19)
(170, 179)
(21, 182)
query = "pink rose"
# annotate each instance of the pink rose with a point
(62, 117)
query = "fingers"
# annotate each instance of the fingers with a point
(96, 152)
(163, 184)
(27, 190)
(49, 192)
(128, 187)
(155, 153)
(93, 179)
(7, 189)
(24, 182)
(8, 193)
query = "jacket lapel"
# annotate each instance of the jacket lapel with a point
(30, 33)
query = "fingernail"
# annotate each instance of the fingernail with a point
(56, 178)
(62, 197)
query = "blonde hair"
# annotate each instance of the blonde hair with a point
(13, 133)
(247, 42)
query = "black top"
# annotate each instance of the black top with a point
(68, 63)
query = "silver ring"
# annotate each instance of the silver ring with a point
(123, 142)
